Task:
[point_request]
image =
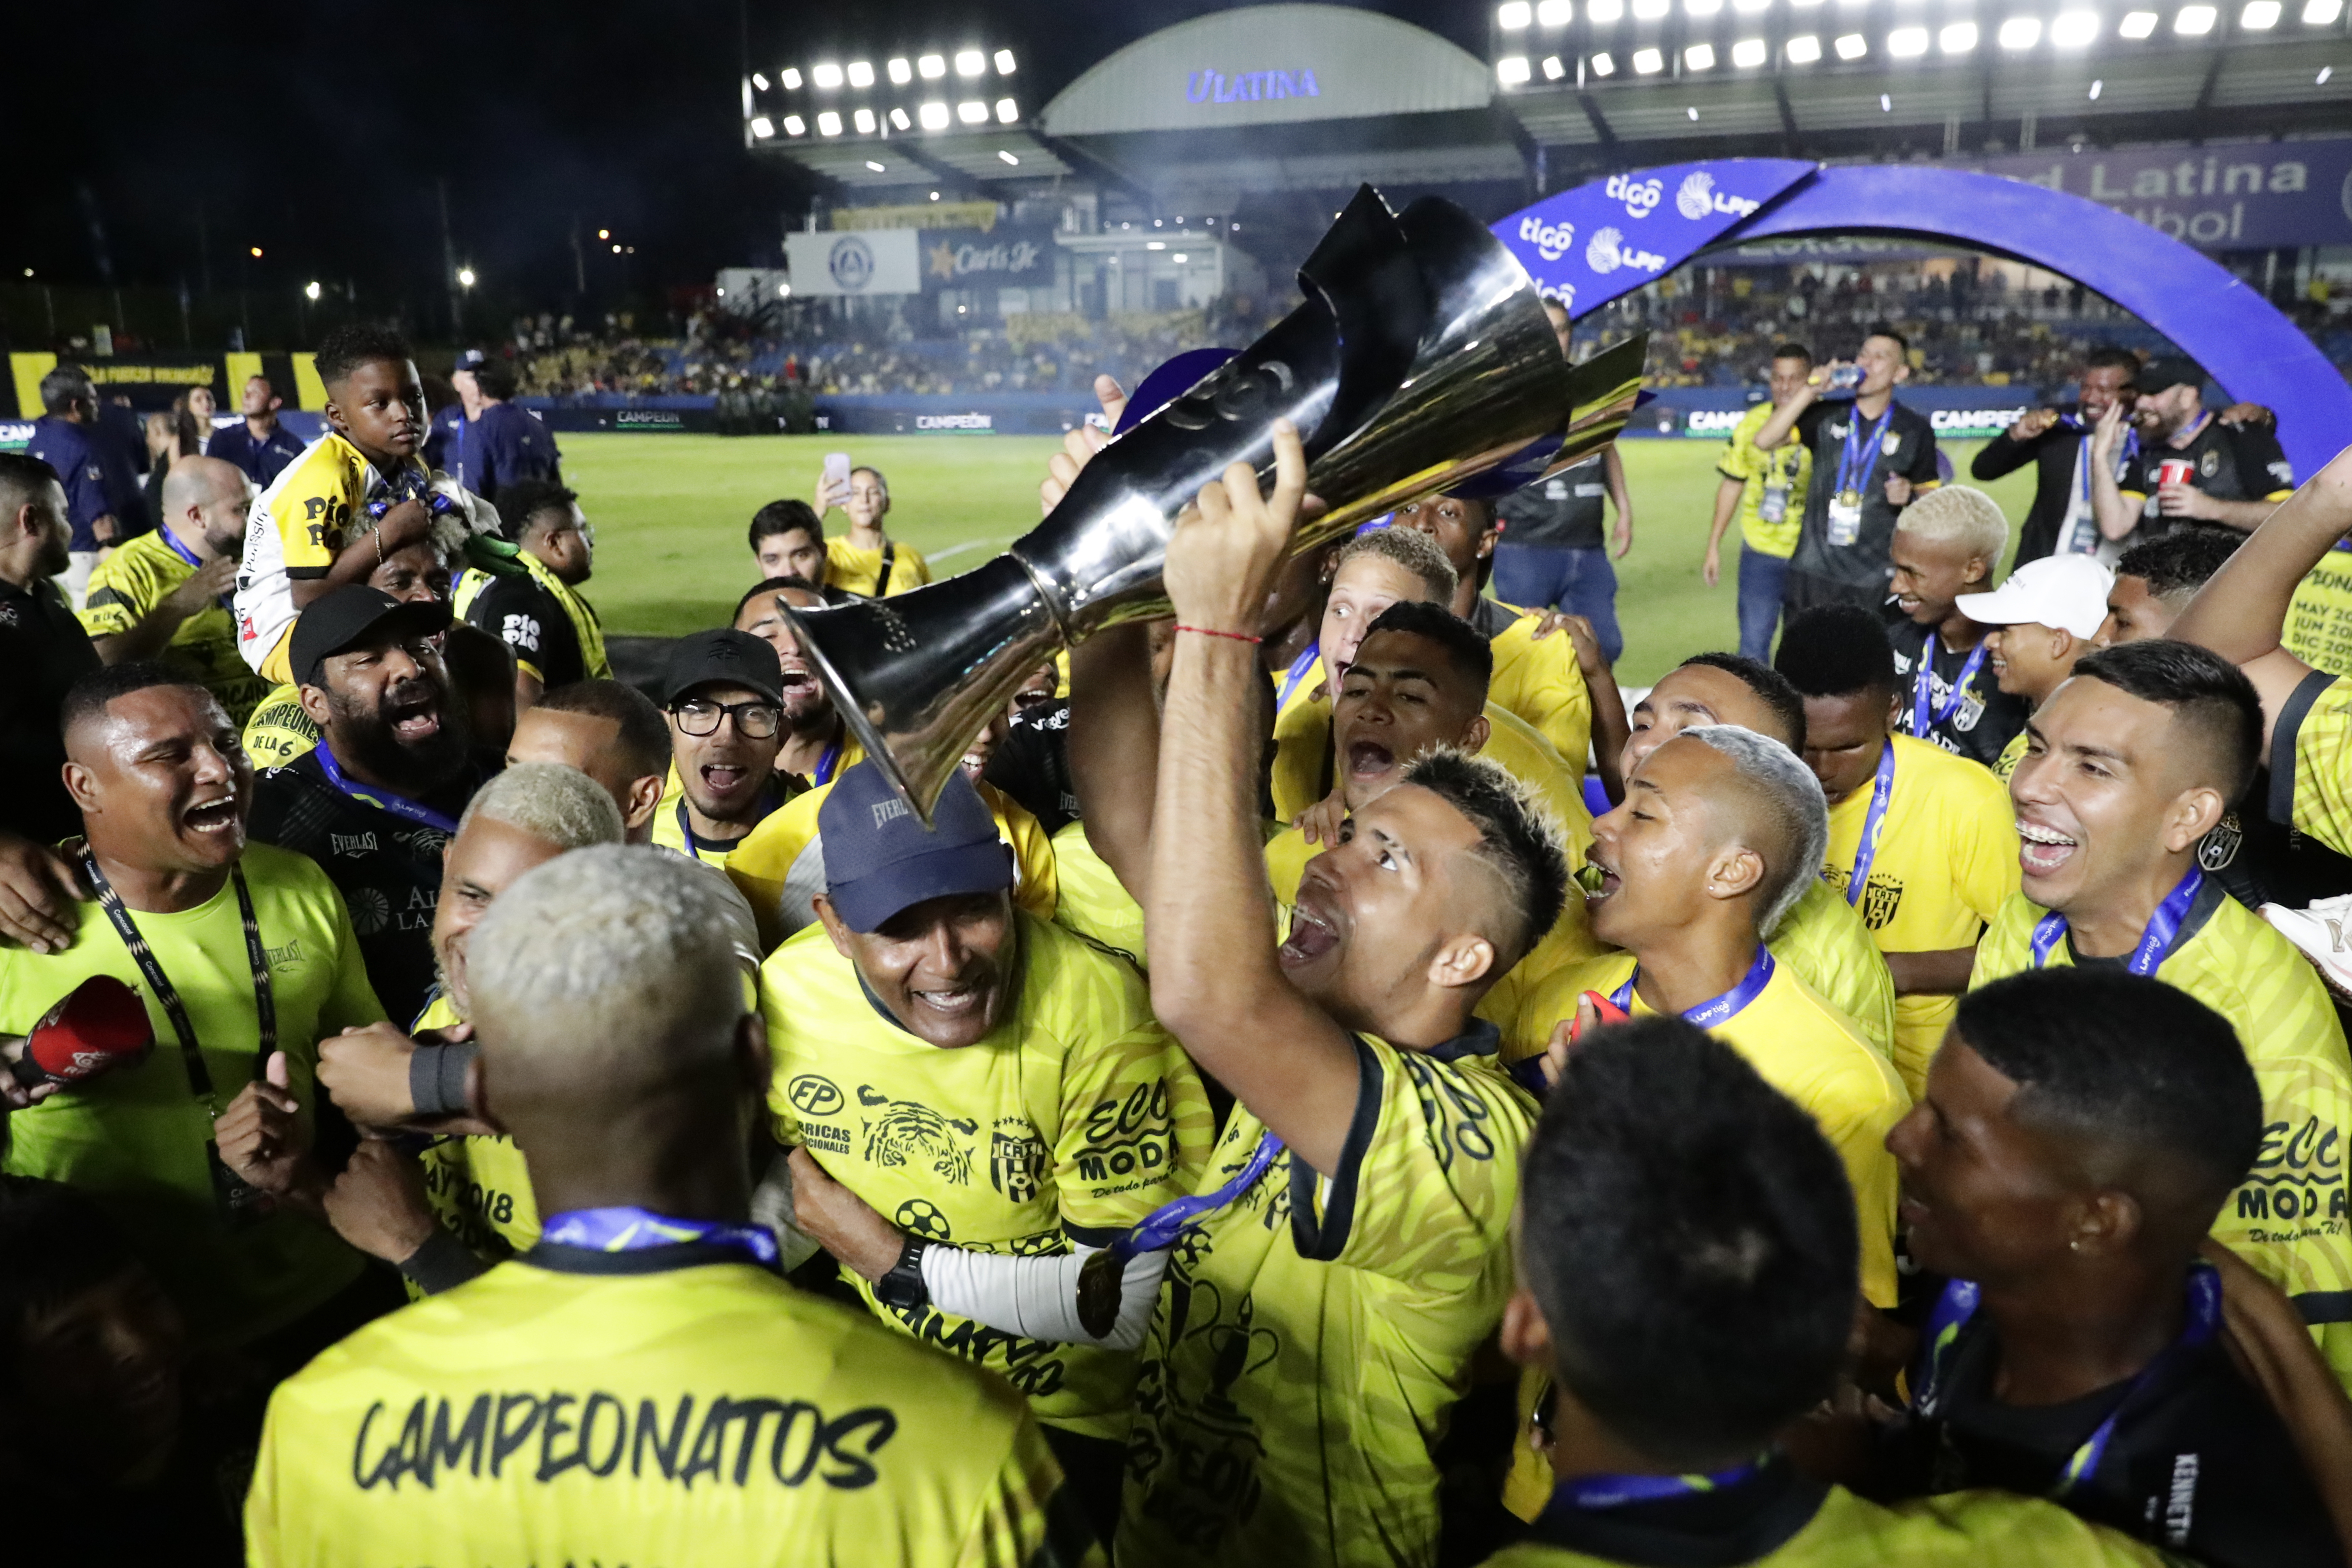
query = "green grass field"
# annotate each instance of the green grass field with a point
(671, 511)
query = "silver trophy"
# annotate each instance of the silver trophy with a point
(1420, 358)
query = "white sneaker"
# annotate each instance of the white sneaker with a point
(2320, 932)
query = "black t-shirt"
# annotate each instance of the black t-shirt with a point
(43, 651)
(1563, 511)
(1032, 764)
(1907, 447)
(1986, 719)
(387, 868)
(521, 613)
(2199, 1463)
(2228, 462)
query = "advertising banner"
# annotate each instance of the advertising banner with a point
(918, 216)
(860, 262)
(1003, 257)
(2252, 197)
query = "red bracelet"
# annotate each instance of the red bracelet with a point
(1212, 631)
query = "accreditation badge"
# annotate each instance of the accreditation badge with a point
(1845, 518)
(1772, 507)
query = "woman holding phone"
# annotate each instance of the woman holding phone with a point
(865, 561)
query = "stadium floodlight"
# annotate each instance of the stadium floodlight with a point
(2021, 32)
(2096, 87)
(617, 250)
(879, 168)
(1749, 53)
(1851, 46)
(1649, 10)
(901, 72)
(1703, 8)
(861, 73)
(2193, 21)
(1603, 66)
(1750, 7)
(828, 124)
(2319, 80)
(2259, 15)
(2321, 13)
(971, 62)
(1699, 57)
(2072, 29)
(1180, 258)
(1004, 62)
(932, 67)
(898, 120)
(760, 80)
(1512, 16)
(464, 277)
(791, 76)
(784, 291)
(1907, 43)
(607, 234)
(826, 76)
(2135, 24)
(793, 126)
(1648, 62)
(971, 111)
(934, 115)
(1553, 68)
(1511, 70)
(1007, 112)
(863, 120)
(1004, 156)
(762, 127)
(1155, 245)
(311, 291)
(1554, 13)
(1957, 38)
(1803, 50)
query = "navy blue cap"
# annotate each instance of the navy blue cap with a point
(2164, 374)
(471, 360)
(879, 858)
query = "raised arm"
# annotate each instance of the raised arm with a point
(2118, 515)
(1215, 980)
(2014, 448)
(1784, 418)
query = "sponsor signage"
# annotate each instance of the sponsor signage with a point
(918, 216)
(958, 258)
(2250, 197)
(1250, 86)
(859, 262)
(648, 419)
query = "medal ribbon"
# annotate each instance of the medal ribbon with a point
(1721, 1010)
(625, 1228)
(1922, 686)
(1588, 1492)
(2154, 943)
(1298, 672)
(382, 800)
(1882, 789)
(825, 765)
(1855, 462)
(1160, 1227)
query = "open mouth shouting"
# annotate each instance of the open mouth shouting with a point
(2043, 850)
(1369, 759)
(1314, 930)
(413, 714)
(214, 818)
(725, 782)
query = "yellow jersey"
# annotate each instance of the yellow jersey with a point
(585, 1407)
(1946, 863)
(478, 1188)
(1774, 481)
(1092, 901)
(132, 580)
(1541, 683)
(1073, 1119)
(779, 866)
(551, 655)
(2006, 763)
(2291, 1219)
(673, 830)
(136, 1139)
(859, 571)
(279, 730)
(296, 529)
(2318, 628)
(1314, 1334)
(2311, 761)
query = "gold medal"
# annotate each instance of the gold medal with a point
(1849, 497)
(1100, 1279)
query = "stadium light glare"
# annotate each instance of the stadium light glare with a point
(617, 250)
(2321, 13)
(1886, 103)
(1004, 62)
(1004, 156)
(311, 291)
(879, 168)
(603, 234)
(2259, 15)
(932, 67)
(1155, 245)
(2020, 33)
(861, 73)
(826, 76)
(2319, 80)
(254, 251)
(791, 76)
(1957, 38)
(828, 124)
(1749, 53)
(863, 120)
(971, 62)
(2072, 29)
(762, 127)
(1553, 70)
(971, 111)
(899, 119)
(784, 291)
(1603, 66)
(1604, 10)
(1804, 49)
(1007, 112)
(1511, 70)
(793, 126)
(464, 277)
(1907, 43)
(1649, 10)
(1851, 46)
(934, 115)
(1513, 14)
(760, 80)
(2135, 24)
(901, 71)
(2193, 21)
(1750, 7)
(1648, 62)
(1703, 8)
(1699, 57)
(1554, 13)
(1180, 258)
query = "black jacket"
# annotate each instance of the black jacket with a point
(2052, 452)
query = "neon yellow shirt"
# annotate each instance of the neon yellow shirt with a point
(1541, 683)
(2289, 1219)
(2319, 788)
(1093, 901)
(2006, 763)
(279, 730)
(2318, 628)
(135, 1139)
(1314, 1334)
(1074, 1118)
(478, 1187)
(707, 1414)
(134, 579)
(1946, 863)
(857, 570)
(1787, 469)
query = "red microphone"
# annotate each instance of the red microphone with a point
(99, 1026)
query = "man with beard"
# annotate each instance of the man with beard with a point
(724, 694)
(2064, 518)
(164, 595)
(375, 801)
(2130, 764)
(554, 631)
(45, 650)
(244, 958)
(1947, 547)
(2191, 466)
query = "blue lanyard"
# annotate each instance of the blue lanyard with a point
(182, 551)
(1723, 1009)
(2154, 943)
(1297, 673)
(1615, 1491)
(1161, 1227)
(382, 800)
(2123, 462)
(825, 765)
(1959, 1304)
(1855, 462)
(728, 846)
(1923, 685)
(1882, 790)
(630, 1229)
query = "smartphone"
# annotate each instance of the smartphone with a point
(836, 473)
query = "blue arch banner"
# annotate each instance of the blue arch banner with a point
(2255, 353)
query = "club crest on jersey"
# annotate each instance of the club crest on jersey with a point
(1881, 897)
(2210, 464)
(2219, 847)
(1016, 1163)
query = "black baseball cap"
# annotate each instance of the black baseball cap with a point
(725, 657)
(342, 617)
(2164, 374)
(879, 858)
(471, 360)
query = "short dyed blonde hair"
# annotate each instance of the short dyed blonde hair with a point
(1969, 518)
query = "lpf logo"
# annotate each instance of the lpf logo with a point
(1607, 251)
(1640, 196)
(1698, 197)
(1551, 240)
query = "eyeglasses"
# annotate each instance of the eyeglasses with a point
(753, 721)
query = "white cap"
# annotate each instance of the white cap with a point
(2068, 591)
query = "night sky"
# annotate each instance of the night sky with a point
(319, 131)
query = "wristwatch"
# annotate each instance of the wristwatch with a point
(903, 1286)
